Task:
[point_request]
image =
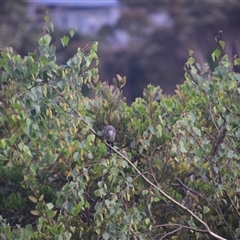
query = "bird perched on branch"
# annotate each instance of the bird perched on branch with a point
(109, 133)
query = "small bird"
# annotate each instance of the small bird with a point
(109, 133)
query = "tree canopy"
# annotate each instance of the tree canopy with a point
(174, 173)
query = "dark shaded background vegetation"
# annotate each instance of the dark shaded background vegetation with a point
(154, 54)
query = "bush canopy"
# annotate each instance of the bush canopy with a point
(175, 171)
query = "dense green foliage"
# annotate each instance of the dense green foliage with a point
(175, 171)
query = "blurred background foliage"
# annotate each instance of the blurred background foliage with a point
(152, 53)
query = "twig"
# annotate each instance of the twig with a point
(179, 228)
(197, 194)
(170, 233)
(235, 208)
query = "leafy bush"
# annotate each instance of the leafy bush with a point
(175, 171)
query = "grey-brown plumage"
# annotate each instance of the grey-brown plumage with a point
(109, 133)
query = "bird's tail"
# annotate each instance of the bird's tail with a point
(110, 149)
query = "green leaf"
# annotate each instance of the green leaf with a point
(216, 169)
(50, 206)
(68, 235)
(182, 147)
(237, 76)
(222, 43)
(71, 32)
(100, 184)
(147, 221)
(106, 236)
(47, 38)
(187, 76)
(156, 199)
(91, 137)
(95, 46)
(197, 131)
(65, 40)
(124, 164)
(26, 150)
(3, 143)
(191, 60)
(159, 131)
(237, 134)
(103, 191)
(205, 209)
(88, 61)
(129, 179)
(46, 18)
(37, 108)
(237, 61)
(215, 55)
(76, 156)
(20, 146)
(145, 192)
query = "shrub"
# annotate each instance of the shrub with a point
(175, 170)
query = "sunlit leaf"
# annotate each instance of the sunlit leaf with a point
(71, 32)
(145, 192)
(65, 41)
(216, 54)
(35, 212)
(222, 43)
(50, 206)
(182, 147)
(47, 38)
(91, 137)
(33, 199)
(206, 209)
